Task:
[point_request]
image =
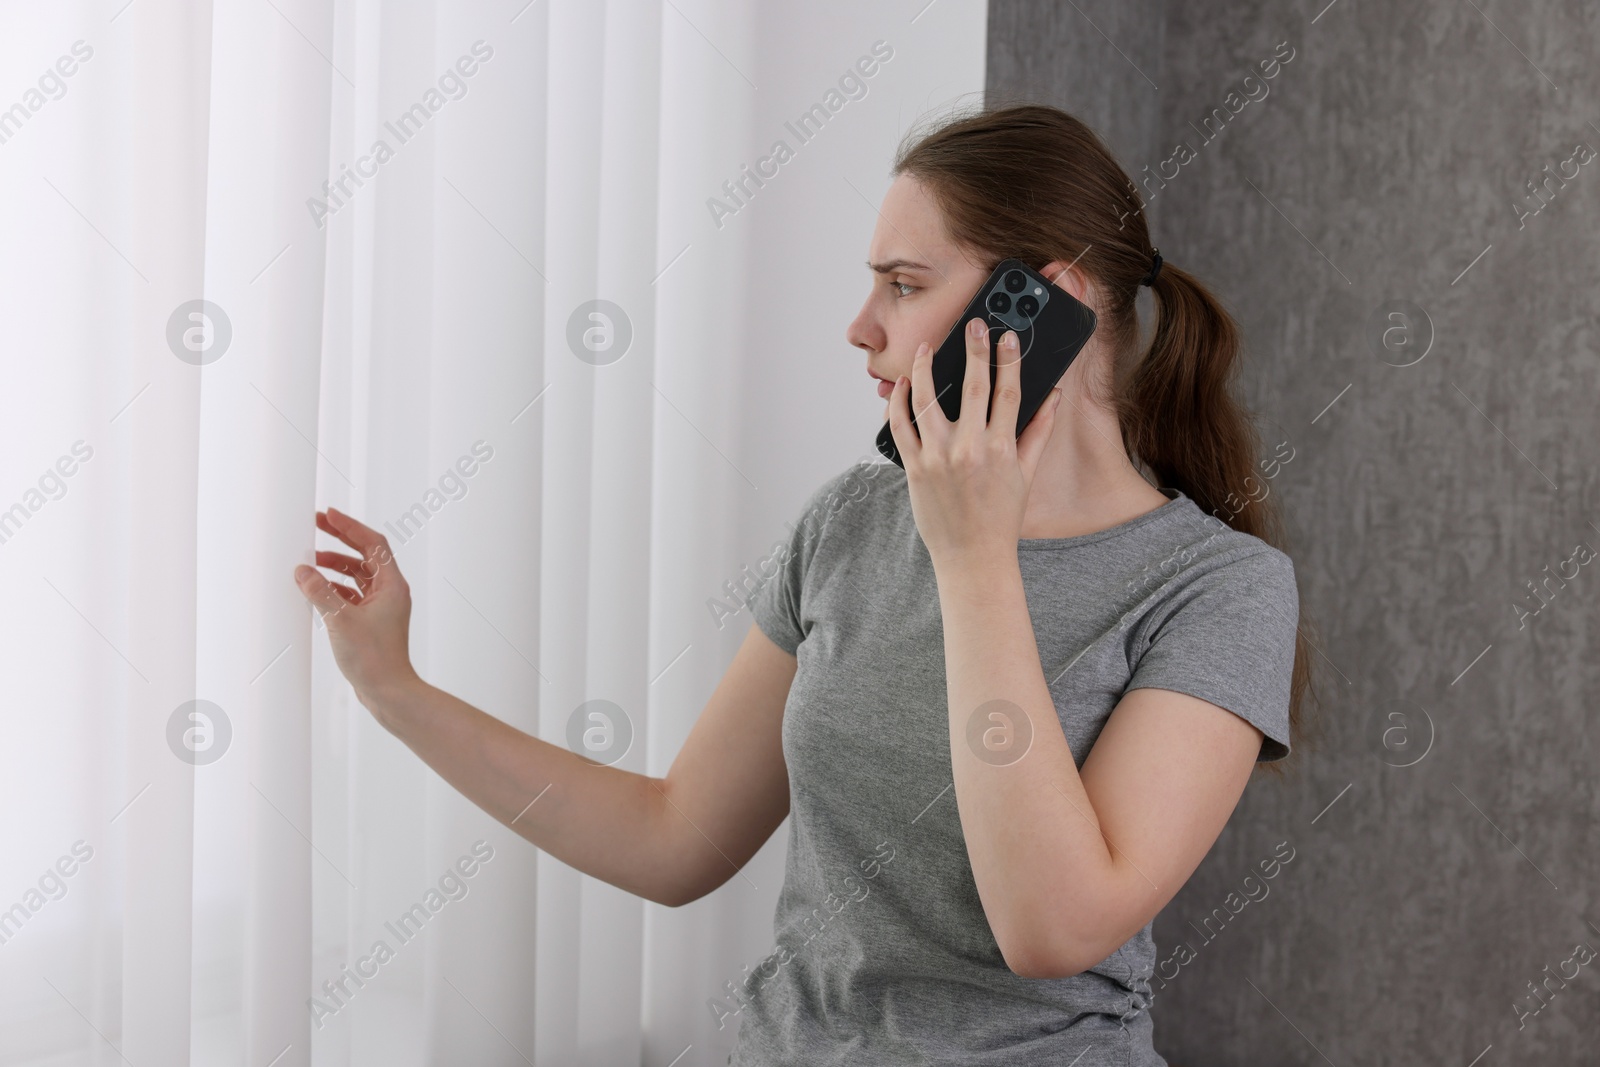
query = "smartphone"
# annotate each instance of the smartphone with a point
(1052, 327)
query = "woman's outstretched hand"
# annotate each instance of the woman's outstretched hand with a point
(969, 479)
(368, 626)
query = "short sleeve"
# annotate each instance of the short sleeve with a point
(777, 601)
(1228, 637)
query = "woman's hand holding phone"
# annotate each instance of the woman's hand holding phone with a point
(969, 479)
(1052, 327)
(368, 626)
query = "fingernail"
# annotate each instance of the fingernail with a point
(1010, 339)
(975, 328)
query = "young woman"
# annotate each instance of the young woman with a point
(1009, 694)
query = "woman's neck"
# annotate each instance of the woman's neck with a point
(1085, 481)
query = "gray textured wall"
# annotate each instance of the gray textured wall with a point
(1444, 821)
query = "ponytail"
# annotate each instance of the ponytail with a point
(1178, 412)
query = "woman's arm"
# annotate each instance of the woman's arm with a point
(1070, 866)
(670, 840)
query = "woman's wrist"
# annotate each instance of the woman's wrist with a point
(390, 699)
(978, 569)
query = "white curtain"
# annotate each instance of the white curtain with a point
(225, 306)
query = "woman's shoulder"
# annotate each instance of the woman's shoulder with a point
(1210, 538)
(862, 480)
(1192, 556)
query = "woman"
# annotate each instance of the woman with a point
(1010, 694)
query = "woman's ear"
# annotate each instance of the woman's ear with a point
(1060, 273)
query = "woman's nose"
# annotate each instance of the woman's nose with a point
(864, 333)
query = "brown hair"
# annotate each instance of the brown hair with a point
(1032, 182)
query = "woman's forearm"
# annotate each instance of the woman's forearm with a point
(1032, 835)
(606, 822)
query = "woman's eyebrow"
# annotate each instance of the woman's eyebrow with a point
(897, 264)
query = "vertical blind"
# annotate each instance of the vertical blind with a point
(448, 267)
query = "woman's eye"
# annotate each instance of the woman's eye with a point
(903, 285)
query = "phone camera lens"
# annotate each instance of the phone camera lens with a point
(1016, 281)
(999, 303)
(1028, 306)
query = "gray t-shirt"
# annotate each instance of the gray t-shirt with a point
(884, 955)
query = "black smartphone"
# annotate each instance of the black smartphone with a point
(1052, 328)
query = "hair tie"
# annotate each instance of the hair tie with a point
(1155, 268)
